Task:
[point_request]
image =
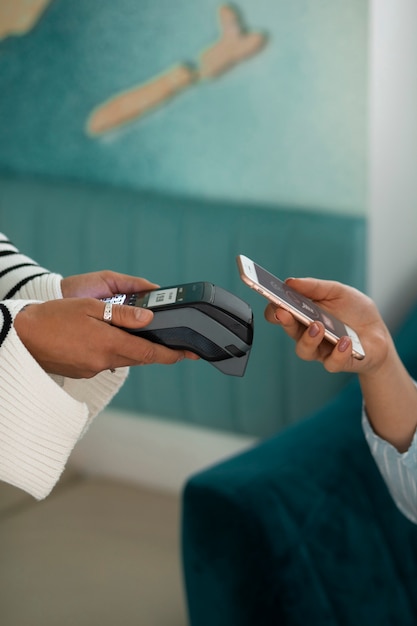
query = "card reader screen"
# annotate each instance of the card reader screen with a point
(162, 297)
(192, 292)
(165, 296)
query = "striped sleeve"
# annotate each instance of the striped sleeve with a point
(41, 418)
(399, 470)
(23, 278)
(16, 269)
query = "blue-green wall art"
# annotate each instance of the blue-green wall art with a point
(282, 119)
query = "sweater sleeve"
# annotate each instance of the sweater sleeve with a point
(20, 274)
(41, 416)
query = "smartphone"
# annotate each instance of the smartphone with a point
(304, 310)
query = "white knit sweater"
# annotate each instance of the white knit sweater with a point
(41, 416)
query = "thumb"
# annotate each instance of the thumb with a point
(313, 288)
(130, 316)
(317, 289)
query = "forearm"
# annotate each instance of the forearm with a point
(390, 398)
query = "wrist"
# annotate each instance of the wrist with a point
(381, 354)
(66, 287)
(21, 324)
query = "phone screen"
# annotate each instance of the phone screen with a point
(302, 304)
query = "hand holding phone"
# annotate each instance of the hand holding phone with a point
(302, 308)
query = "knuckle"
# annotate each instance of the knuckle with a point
(123, 315)
(332, 367)
(93, 369)
(87, 374)
(148, 354)
(303, 353)
(96, 363)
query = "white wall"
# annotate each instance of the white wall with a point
(393, 156)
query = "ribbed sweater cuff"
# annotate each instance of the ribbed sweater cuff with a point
(40, 422)
(42, 417)
(45, 287)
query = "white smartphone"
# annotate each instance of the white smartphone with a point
(304, 310)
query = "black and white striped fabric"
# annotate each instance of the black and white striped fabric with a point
(16, 270)
(41, 416)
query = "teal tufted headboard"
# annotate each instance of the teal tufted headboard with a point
(72, 228)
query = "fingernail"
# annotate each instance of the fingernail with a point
(142, 314)
(314, 330)
(343, 344)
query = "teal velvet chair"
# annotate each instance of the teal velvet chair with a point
(300, 529)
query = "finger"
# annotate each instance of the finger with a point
(129, 316)
(314, 288)
(145, 352)
(166, 355)
(139, 350)
(278, 315)
(310, 342)
(191, 355)
(340, 358)
(271, 314)
(124, 283)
